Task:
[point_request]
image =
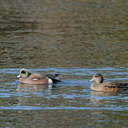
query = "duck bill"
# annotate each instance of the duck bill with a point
(91, 79)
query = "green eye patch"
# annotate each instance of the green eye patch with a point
(27, 74)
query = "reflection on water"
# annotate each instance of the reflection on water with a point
(35, 88)
(96, 93)
(31, 88)
(70, 103)
(43, 35)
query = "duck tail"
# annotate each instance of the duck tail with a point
(53, 77)
(56, 80)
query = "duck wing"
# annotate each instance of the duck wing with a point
(122, 85)
(35, 76)
(116, 85)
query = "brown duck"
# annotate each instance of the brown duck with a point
(27, 77)
(99, 85)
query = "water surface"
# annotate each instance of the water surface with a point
(75, 38)
(70, 104)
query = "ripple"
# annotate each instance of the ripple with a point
(29, 108)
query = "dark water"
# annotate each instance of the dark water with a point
(75, 38)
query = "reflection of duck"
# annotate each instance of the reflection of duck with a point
(98, 85)
(32, 96)
(32, 88)
(36, 79)
(98, 93)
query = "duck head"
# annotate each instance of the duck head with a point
(97, 78)
(24, 73)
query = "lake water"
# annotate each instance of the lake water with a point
(75, 39)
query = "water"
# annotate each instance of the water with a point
(70, 104)
(75, 39)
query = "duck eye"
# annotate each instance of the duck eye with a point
(23, 72)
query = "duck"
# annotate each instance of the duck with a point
(99, 84)
(26, 77)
